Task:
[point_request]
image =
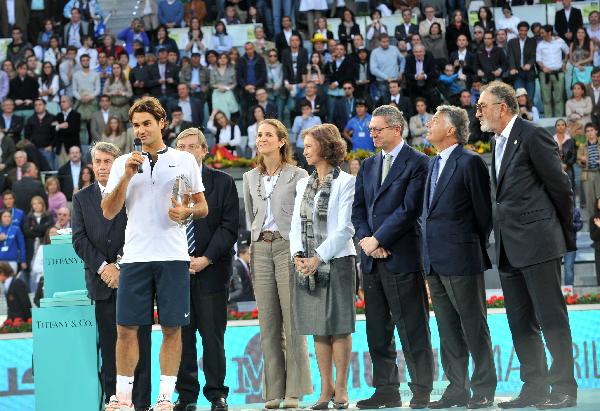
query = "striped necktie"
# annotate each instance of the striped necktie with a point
(190, 238)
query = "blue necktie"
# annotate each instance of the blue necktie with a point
(499, 153)
(190, 238)
(434, 178)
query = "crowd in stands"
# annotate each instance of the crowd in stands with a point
(67, 82)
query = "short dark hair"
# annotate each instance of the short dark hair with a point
(592, 125)
(6, 269)
(8, 192)
(104, 96)
(176, 109)
(333, 146)
(148, 105)
(83, 56)
(523, 24)
(304, 103)
(548, 28)
(595, 70)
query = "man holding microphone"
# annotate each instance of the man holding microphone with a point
(155, 260)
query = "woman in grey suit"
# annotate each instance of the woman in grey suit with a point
(324, 256)
(269, 191)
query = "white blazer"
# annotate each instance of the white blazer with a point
(339, 225)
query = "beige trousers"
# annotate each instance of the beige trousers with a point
(286, 369)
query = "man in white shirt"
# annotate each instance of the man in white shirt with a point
(155, 259)
(551, 56)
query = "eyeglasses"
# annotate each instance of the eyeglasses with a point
(183, 147)
(480, 107)
(375, 130)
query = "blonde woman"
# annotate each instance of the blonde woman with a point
(269, 191)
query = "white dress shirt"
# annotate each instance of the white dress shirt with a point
(75, 170)
(444, 156)
(550, 53)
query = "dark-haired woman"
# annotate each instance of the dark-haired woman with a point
(347, 29)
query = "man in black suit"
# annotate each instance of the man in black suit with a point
(210, 244)
(262, 99)
(490, 62)
(403, 31)
(397, 99)
(251, 74)
(99, 243)
(532, 204)
(567, 20)
(457, 222)
(40, 131)
(240, 286)
(421, 75)
(176, 126)
(521, 59)
(68, 174)
(344, 108)
(28, 187)
(463, 59)
(23, 89)
(294, 60)
(67, 124)
(17, 294)
(282, 39)
(339, 70)
(11, 124)
(387, 204)
(318, 104)
(163, 77)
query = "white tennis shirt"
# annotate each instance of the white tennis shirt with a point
(150, 234)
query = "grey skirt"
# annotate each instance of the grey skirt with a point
(329, 309)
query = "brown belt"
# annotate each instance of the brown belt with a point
(269, 236)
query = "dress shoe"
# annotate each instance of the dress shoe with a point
(480, 401)
(522, 401)
(290, 402)
(182, 405)
(418, 402)
(381, 400)
(219, 404)
(557, 400)
(446, 402)
(273, 404)
(320, 406)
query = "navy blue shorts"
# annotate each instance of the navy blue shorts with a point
(169, 281)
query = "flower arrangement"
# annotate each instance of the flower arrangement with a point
(226, 163)
(16, 326)
(480, 147)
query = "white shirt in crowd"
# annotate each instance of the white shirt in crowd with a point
(150, 234)
(550, 53)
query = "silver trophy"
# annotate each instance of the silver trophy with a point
(182, 193)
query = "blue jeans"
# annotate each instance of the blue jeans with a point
(521, 81)
(263, 8)
(50, 157)
(278, 7)
(569, 260)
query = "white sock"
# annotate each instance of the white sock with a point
(124, 388)
(167, 387)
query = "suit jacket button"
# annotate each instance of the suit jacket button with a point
(109, 241)
(374, 215)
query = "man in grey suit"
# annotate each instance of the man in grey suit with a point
(532, 205)
(100, 118)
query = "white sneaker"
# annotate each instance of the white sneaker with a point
(115, 405)
(163, 404)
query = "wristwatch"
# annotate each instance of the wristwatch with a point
(116, 263)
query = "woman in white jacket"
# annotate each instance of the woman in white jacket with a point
(324, 258)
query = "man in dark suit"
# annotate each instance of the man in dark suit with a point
(99, 243)
(344, 108)
(281, 39)
(421, 74)
(68, 174)
(176, 126)
(490, 62)
(251, 74)
(23, 89)
(339, 70)
(67, 124)
(294, 60)
(463, 59)
(190, 107)
(240, 286)
(457, 222)
(28, 187)
(262, 99)
(210, 244)
(163, 77)
(75, 30)
(521, 59)
(17, 294)
(404, 31)
(532, 204)
(11, 124)
(39, 129)
(387, 204)
(593, 90)
(397, 99)
(567, 20)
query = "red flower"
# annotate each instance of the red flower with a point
(29, 320)
(8, 322)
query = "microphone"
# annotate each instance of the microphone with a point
(137, 146)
